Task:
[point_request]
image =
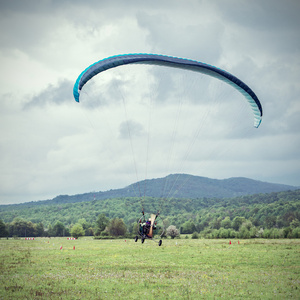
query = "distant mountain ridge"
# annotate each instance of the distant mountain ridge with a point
(190, 186)
(180, 186)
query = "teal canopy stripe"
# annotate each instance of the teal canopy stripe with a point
(175, 62)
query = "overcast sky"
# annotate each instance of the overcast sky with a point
(142, 122)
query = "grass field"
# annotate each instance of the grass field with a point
(179, 269)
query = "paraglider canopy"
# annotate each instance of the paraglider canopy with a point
(175, 62)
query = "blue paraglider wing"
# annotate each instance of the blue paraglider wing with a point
(175, 62)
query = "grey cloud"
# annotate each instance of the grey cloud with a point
(275, 25)
(130, 129)
(196, 41)
(34, 25)
(53, 94)
(95, 95)
(262, 15)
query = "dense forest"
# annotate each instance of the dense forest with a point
(271, 215)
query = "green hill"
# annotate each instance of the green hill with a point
(178, 186)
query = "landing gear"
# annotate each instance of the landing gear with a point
(143, 240)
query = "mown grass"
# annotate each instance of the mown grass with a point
(179, 269)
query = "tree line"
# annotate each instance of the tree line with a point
(274, 215)
(22, 228)
(240, 227)
(104, 228)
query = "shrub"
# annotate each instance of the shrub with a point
(295, 233)
(233, 234)
(77, 231)
(104, 233)
(195, 235)
(224, 233)
(244, 233)
(117, 227)
(172, 231)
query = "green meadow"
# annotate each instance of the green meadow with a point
(179, 269)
